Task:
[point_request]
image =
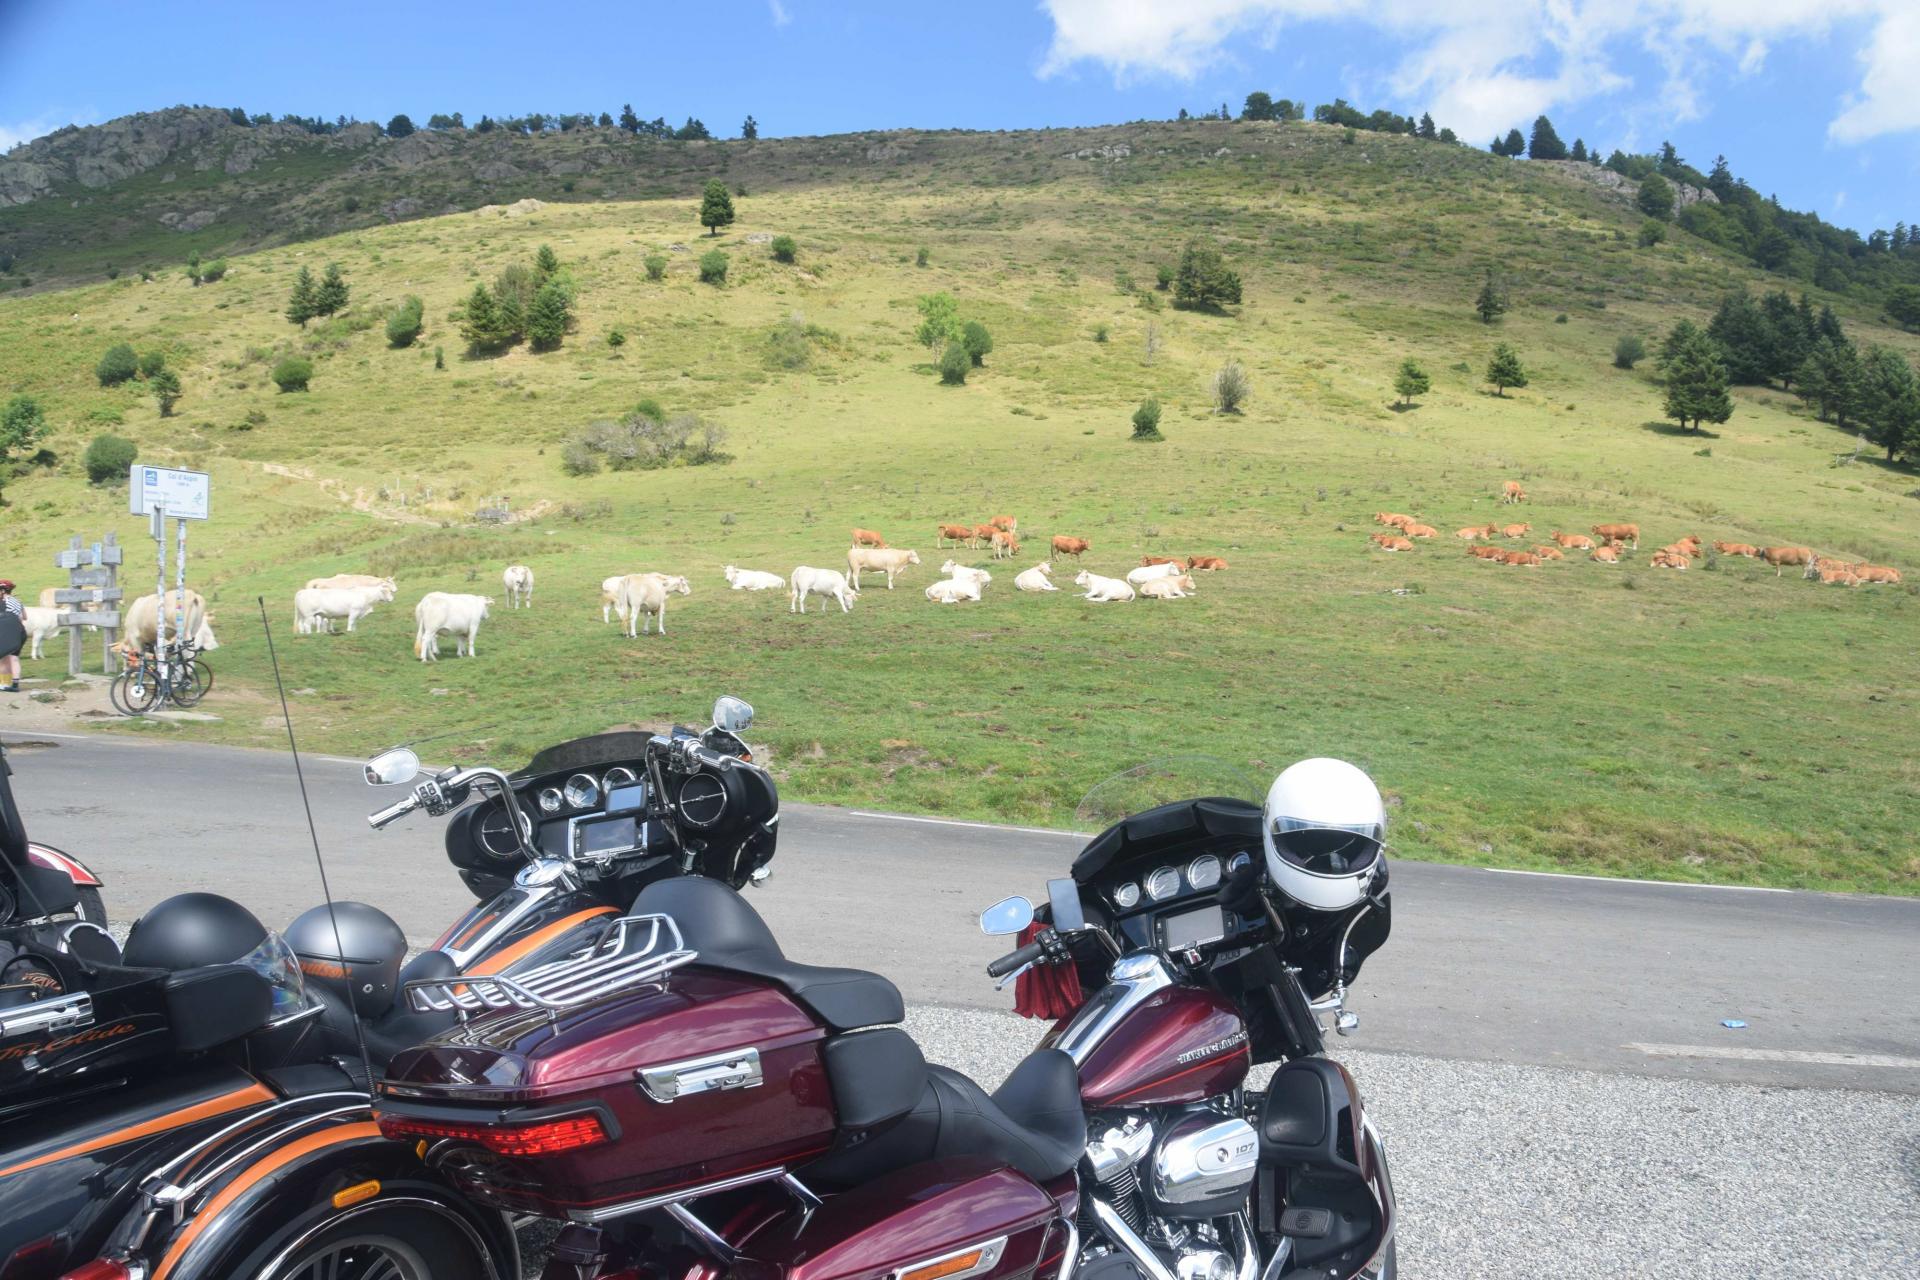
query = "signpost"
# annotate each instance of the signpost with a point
(91, 597)
(159, 492)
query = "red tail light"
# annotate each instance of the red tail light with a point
(98, 1271)
(544, 1138)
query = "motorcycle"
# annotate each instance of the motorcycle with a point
(692, 1104)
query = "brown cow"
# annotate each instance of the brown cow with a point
(1839, 575)
(1005, 545)
(1685, 550)
(1206, 564)
(1391, 519)
(1780, 557)
(1469, 533)
(1514, 530)
(1573, 541)
(1877, 573)
(1419, 530)
(1608, 554)
(1619, 533)
(1746, 549)
(1526, 558)
(1008, 523)
(954, 533)
(868, 538)
(1512, 492)
(1487, 553)
(1065, 546)
(982, 533)
(1146, 561)
(1392, 542)
(1664, 559)
(1549, 552)
(1819, 564)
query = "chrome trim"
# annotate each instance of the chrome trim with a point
(738, 1069)
(1069, 1255)
(1132, 980)
(58, 1014)
(599, 969)
(1245, 1245)
(715, 1242)
(251, 1118)
(1375, 1268)
(66, 935)
(1282, 1254)
(200, 1183)
(534, 894)
(1121, 1234)
(605, 1212)
(989, 1251)
(383, 1202)
(800, 1191)
(1204, 1156)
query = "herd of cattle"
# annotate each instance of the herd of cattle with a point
(138, 628)
(1609, 540)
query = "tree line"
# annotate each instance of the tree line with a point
(532, 124)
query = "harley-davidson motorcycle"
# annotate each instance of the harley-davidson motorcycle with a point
(693, 1104)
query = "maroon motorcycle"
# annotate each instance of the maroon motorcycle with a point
(693, 1104)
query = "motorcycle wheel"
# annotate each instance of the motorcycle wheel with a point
(387, 1244)
(93, 908)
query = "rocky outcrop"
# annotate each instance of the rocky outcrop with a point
(1626, 188)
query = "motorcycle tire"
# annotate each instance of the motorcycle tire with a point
(92, 908)
(385, 1243)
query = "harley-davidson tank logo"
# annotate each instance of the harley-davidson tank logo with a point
(1221, 1045)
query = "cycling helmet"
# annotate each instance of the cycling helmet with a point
(1324, 827)
(194, 929)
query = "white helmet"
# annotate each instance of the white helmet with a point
(1323, 826)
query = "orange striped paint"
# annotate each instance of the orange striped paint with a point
(500, 960)
(238, 1100)
(276, 1159)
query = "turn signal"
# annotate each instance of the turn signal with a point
(347, 1197)
(957, 1265)
(549, 1137)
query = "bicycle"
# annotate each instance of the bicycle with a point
(183, 680)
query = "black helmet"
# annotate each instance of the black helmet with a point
(189, 930)
(365, 954)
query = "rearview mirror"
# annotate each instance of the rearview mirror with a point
(389, 767)
(1010, 915)
(732, 714)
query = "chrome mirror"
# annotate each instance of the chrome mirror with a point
(732, 714)
(1009, 915)
(389, 767)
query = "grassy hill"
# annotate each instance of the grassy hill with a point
(1715, 724)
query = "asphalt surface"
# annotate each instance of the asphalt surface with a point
(1545, 1055)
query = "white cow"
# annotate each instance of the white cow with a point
(609, 597)
(891, 561)
(140, 625)
(829, 584)
(448, 613)
(960, 572)
(1168, 588)
(1038, 578)
(1148, 572)
(645, 594)
(42, 624)
(1103, 590)
(519, 582)
(953, 591)
(312, 605)
(753, 580)
(350, 580)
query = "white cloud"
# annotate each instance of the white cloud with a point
(1482, 66)
(779, 11)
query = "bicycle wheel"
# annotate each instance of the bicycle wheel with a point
(192, 682)
(135, 692)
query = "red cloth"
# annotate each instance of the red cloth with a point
(1049, 991)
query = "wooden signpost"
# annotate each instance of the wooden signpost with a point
(91, 597)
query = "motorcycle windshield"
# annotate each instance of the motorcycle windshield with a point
(1165, 780)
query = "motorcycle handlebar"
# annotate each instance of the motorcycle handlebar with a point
(1015, 959)
(393, 812)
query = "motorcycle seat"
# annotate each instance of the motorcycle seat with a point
(718, 923)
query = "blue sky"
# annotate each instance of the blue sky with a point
(1811, 100)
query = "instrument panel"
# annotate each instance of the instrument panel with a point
(1172, 903)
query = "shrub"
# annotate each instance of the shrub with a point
(1146, 420)
(166, 389)
(787, 345)
(1561, 318)
(293, 373)
(784, 249)
(1203, 279)
(576, 459)
(439, 357)
(977, 341)
(1123, 280)
(1230, 387)
(920, 256)
(118, 365)
(656, 264)
(713, 267)
(643, 441)
(1651, 233)
(1099, 333)
(152, 363)
(939, 320)
(22, 422)
(1628, 351)
(616, 337)
(215, 270)
(1163, 277)
(954, 363)
(108, 457)
(1655, 197)
(404, 325)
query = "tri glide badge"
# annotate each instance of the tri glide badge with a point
(1221, 1045)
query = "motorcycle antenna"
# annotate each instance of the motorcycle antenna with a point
(326, 892)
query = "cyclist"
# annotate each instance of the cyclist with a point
(13, 636)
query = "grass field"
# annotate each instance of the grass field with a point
(1719, 724)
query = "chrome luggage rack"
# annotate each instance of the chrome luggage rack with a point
(633, 951)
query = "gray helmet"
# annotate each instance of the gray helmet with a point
(365, 954)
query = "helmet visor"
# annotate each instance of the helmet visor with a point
(274, 960)
(1325, 849)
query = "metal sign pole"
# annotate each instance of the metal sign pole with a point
(160, 590)
(180, 577)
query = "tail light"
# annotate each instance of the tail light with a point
(542, 1138)
(101, 1270)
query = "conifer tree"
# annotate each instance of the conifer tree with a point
(330, 297)
(716, 207)
(1697, 384)
(301, 304)
(1505, 370)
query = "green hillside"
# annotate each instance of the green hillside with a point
(1720, 723)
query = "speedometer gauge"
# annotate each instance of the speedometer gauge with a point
(549, 799)
(1126, 896)
(582, 791)
(1163, 884)
(617, 777)
(1204, 871)
(1239, 860)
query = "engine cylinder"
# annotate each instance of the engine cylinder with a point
(1202, 1166)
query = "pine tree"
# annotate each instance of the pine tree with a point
(1790, 338)
(1697, 384)
(1545, 144)
(1720, 178)
(1579, 151)
(750, 129)
(629, 121)
(1505, 370)
(716, 207)
(547, 317)
(1890, 402)
(480, 325)
(1427, 129)
(331, 297)
(1492, 302)
(1747, 339)
(545, 264)
(1411, 380)
(165, 386)
(1516, 145)
(1655, 197)
(301, 305)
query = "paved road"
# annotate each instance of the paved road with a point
(1529, 1137)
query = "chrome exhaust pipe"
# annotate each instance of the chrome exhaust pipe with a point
(1123, 1235)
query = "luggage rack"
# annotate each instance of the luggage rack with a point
(634, 950)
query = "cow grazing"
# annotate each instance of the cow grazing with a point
(1515, 530)
(1780, 557)
(1608, 554)
(447, 613)
(954, 533)
(348, 580)
(868, 538)
(1145, 561)
(1006, 545)
(828, 584)
(1619, 533)
(1487, 553)
(1148, 572)
(519, 583)
(1573, 541)
(1746, 549)
(47, 600)
(644, 596)
(1420, 531)
(954, 590)
(1512, 492)
(1038, 578)
(965, 573)
(140, 624)
(1065, 546)
(1006, 523)
(1206, 564)
(1877, 573)
(892, 561)
(982, 534)
(753, 580)
(43, 623)
(1178, 587)
(1549, 552)
(1523, 558)
(1103, 590)
(609, 598)
(316, 609)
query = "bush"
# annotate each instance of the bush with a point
(1651, 233)
(643, 441)
(1100, 333)
(118, 365)
(1202, 279)
(954, 363)
(1655, 197)
(713, 267)
(1230, 387)
(108, 458)
(215, 270)
(293, 373)
(977, 341)
(152, 363)
(920, 256)
(1146, 420)
(439, 357)
(656, 266)
(784, 249)
(616, 337)
(577, 459)
(787, 345)
(1163, 277)
(404, 325)
(1628, 351)
(21, 423)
